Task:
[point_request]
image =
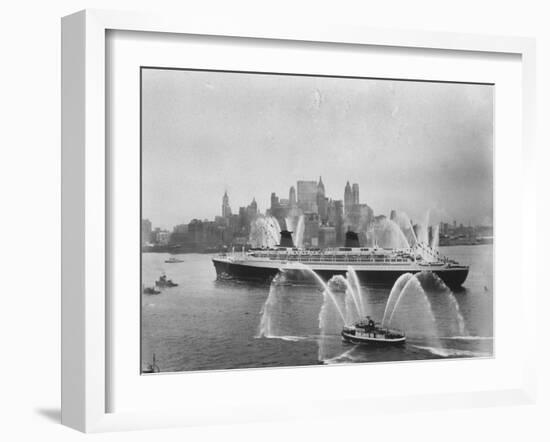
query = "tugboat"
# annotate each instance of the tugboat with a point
(164, 282)
(173, 260)
(150, 291)
(369, 332)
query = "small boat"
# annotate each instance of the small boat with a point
(369, 332)
(173, 260)
(152, 367)
(164, 282)
(150, 291)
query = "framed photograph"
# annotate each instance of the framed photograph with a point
(270, 222)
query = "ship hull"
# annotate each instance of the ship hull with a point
(453, 277)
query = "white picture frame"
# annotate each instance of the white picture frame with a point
(85, 211)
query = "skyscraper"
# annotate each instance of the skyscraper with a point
(253, 207)
(274, 202)
(355, 193)
(322, 201)
(226, 210)
(348, 199)
(321, 187)
(307, 196)
(292, 196)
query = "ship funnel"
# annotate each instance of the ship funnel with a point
(352, 239)
(286, 239)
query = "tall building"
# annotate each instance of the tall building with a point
(339, 223)
(348, 199)
(279, 208)
(252, 209)
(226, 209)
(355, 193)
(321, 187)
(322, 201)
(292, 196)
(274, 202)
(307, 196)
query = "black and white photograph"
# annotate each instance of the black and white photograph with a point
(296, 220)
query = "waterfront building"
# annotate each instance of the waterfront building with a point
(146, 230)
(179, 234)
(160, 236)
(205, 234)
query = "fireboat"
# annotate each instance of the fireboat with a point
(373, 265)
(369, 332)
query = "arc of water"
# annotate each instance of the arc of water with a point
(265, 321)
(300, 231)
(411, 281)
(435, 238)
(352, 274)
(412, 230)
(394, 294)
(322, 283)
(350, 290)
(461, 323)
(387, 233)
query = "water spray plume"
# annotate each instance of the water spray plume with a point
(265, 231)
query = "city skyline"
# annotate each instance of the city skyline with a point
(225, 198)
(410, 146)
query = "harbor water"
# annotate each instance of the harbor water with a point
(206, 324)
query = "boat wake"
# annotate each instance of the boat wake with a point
(468, 338)
(343, 358)
(453, 352)
(288, 338)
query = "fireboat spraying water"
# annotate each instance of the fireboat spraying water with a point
(419, 306)
(369, 332)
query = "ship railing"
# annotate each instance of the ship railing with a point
(331, 258)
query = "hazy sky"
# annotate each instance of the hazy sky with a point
(411, 146)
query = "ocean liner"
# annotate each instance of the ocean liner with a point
(373, 265)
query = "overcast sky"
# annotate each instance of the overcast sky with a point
(411, 146)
